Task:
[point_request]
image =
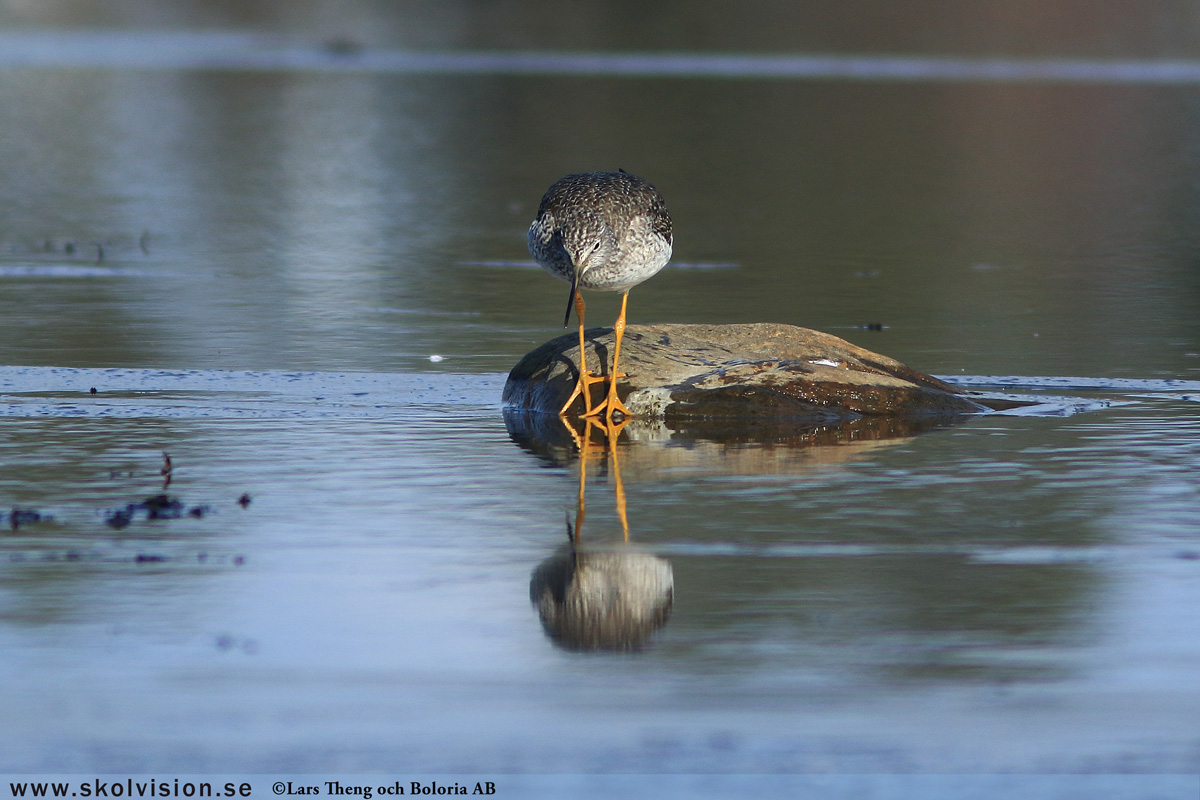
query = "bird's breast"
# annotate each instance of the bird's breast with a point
(629, 267)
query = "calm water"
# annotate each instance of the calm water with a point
(306, 286)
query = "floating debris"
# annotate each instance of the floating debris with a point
(24, 516)
(155, 507)
(163, 506)
(120, 519)
(244, 500)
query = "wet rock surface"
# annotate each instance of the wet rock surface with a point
(756, 371)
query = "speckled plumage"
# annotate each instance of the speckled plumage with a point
(602, 230)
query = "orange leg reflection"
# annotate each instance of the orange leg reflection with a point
(588, 448)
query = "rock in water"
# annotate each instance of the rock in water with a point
(763, 370)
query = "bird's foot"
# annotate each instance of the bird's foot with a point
(583, 388)
(611, 404)
(585, 442)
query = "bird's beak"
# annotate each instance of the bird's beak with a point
(571, 297)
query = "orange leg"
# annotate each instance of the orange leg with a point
(586, 379)
(612, 402)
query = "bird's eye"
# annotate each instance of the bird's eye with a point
(595, 247)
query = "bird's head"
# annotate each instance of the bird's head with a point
(589, 241)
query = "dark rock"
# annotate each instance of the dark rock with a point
(745, 372)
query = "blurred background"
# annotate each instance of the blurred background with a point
(1075, 28)
(336, 213)
(217, 196)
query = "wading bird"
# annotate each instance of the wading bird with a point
(607, 231)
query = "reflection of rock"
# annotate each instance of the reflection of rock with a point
(652, 448)
(602, 600)
(744, 372)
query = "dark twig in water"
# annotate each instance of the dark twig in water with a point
(166, 471)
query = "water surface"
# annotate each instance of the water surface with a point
(306, 285)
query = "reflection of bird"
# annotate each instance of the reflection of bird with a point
(602, 600)
(607, 231)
